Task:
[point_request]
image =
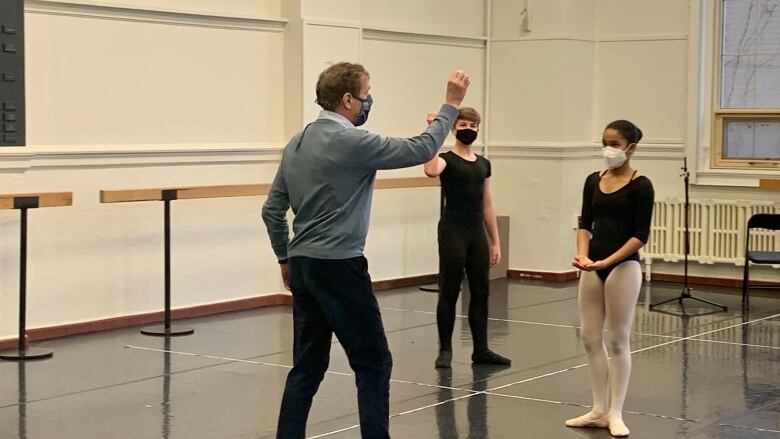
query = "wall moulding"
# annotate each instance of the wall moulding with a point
(551, 37)
(404, 36)
(113, 156)
(577, 150)
(584, 39)
(107, 11)
(331, 23)
(639, 38)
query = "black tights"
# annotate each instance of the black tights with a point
(463, 244)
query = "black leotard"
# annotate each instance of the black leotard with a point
(463, 244)
(616, 217)
(463, 183)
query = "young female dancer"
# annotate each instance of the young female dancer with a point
(617, 206)
(468, 210)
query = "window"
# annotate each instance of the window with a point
(747, 103)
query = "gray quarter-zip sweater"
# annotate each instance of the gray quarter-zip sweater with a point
(327, 176)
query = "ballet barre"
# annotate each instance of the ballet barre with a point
(183, 193)
(166, 195)
(404, 183)
(769, 183)
(24, 202)
(239, 190)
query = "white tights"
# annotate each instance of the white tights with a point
(613, 302)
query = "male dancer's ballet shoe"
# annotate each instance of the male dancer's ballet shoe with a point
(444, 360)
(588, 421)
(490, 357)
(617, 428)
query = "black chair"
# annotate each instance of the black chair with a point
(759, 221)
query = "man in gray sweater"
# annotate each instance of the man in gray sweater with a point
(327, 177)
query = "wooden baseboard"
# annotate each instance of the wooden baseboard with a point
(547, 276)
(52, 332)
(705, 280)
(412, 281)
(48, 333)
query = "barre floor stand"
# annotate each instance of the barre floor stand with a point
(166, 329)
(166, 195)
(24, 202)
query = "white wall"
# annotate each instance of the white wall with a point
(464, 18)
(541, 124)
(405, 223)
(554, 87)
(254, 8)
(555, 76)
(164, 84)
(409, 68)
(641, 75)
(203, 92)
(165, 95)
(198, 92)
(648, 72)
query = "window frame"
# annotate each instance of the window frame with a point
(720, 115)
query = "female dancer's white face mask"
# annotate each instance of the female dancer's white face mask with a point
(613, 157)
(617, 150)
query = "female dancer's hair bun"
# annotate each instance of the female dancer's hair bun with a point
(627, 129)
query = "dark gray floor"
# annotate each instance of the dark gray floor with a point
(715, 376)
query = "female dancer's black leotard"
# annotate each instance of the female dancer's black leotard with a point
(616, 217)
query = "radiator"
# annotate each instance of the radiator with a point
(717, 231)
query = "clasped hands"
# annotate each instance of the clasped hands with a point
(585, 264)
